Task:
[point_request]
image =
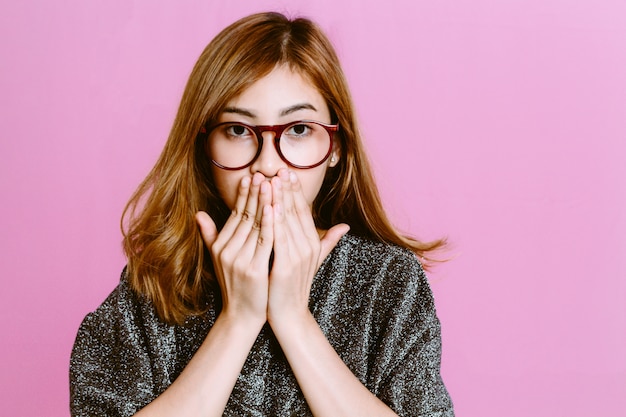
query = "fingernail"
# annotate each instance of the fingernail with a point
(245, 181)
(257, 179)
(292, 176)
(265, 187)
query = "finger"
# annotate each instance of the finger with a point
(301, 207)
(208, 230)
(287, 197)
(330, 239)
(238, 210)
(265, 198)
(265, 240)
(281, 250)
(292, 220)
(277, 191)
(282, 232)
(248, 215)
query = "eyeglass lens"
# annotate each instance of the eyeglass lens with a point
(233, 145)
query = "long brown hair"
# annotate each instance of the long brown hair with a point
(167, 260)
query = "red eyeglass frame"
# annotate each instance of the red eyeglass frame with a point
(278, 131)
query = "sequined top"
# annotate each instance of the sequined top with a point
(371, 300)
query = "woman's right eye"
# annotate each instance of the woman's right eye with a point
(237, 131)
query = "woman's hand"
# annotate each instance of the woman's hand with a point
(241, 251)
(329, 386)
(298, 250)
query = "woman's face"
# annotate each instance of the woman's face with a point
(281, 97)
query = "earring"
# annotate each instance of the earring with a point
(333, 159)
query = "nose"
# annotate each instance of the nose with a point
(269, 161)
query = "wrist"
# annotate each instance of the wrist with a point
(290, 323)
(241, 323)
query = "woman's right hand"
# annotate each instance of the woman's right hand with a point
(241, 251)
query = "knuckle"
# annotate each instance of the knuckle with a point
(225, 256)
(301, 210)
(263, 240)
(249, 274)
(238, 270)
(235, 213)
(246, 215)
(216, 249)
(218, 245)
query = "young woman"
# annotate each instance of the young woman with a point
(263, 276)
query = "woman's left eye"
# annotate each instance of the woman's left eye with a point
(299, 130)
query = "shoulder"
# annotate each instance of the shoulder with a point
(123, 318)
(121, 303)
(365, 248)
(368, 257)
(122, 355)
(389, 274)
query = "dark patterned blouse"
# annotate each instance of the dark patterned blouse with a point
(371, 300)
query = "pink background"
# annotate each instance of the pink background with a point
(501, 124)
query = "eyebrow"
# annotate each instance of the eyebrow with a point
(284, 112)
(296, 107)
(240, 111)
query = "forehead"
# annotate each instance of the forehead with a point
(282, 88)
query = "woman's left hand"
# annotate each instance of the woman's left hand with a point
(298, 250)
(329, 386)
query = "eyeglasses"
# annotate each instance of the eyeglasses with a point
(303, 144)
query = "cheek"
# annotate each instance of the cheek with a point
(226, 183)
(311, 181)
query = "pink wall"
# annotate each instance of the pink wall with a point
(501, 124)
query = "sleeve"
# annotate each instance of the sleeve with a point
(111, 371)
(409, 359)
